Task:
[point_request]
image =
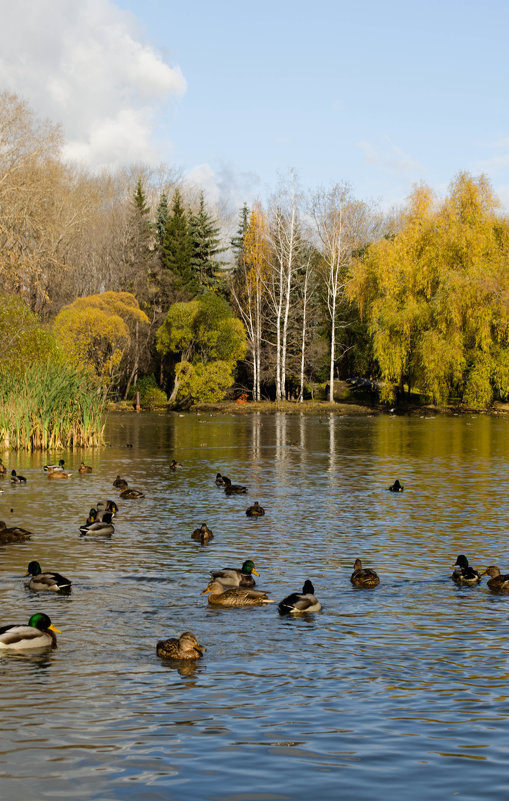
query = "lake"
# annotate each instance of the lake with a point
(399, 691)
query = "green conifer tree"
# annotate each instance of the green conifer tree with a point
(176, 253)
(206, 245)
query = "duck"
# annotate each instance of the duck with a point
(58, 474)
(464, 574)
(236, 576)
(130, 492)
(234, 596)
(233, 489)
(396, 487)
(13, 534)
(3, 469)
(184, 647)
(84, 468)
(255, 510)
(221, 481)
(497, 582)
(15, 479)
(120, 483)
(202, 534)
(174, 465)
(106, 506)
(52, 468)
(298, 602)
(47, 580)
(38, 633)
(363, 576)
(99, 528)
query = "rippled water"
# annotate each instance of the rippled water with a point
(400, 692)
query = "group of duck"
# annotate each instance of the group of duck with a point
(464, 575)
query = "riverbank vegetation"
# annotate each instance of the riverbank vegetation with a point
(131, 282)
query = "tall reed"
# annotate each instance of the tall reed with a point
(50, 406)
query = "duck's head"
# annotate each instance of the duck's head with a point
(308, 588)
(42, 622)
(461, 561)
(248, 567)
(214, 587)
(357, 565)
(33, 569)
(492, 571)
(92, 515)
(188, 642)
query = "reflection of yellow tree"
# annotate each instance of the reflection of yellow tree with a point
(248, 287)
(98, 331)
(436, 296)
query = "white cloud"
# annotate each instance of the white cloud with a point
(83, 64)
(224, 187)
(391, 158)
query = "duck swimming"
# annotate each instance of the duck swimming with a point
(51, 468)
(84, 468)
(233, 489)
(38, 633)
(106, 506)
(463, 574)
(13, 534)
(3, 469)
(130, 492)
(58, 474)
(236, 576)
(235, 596)
(120, 483)
(185, 647)
(497, 582)
(363, 577)
(99, 528)
(221, 481)
(255, 510)
(174, 465)
(298, 602)
(15, 479)
(202, 534)
(47, 580)
(396, 487)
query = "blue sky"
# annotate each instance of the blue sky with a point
(381, 95)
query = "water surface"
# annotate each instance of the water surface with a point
(401, 690)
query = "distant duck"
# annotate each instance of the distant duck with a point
(235, 596)
(175, 465)
(298, 602)
(255, 510)
(396, 487)
(55, 475)
(52, 468)
(13, 534)
(84, 468)
(38, 633)
(15, 479)
(3, 469)
(497, 582)
(464, 574)
(233, 489)
(185, 647)
(120, 483)
(221, 481)
(130, 492)
(363, 577)
(47, 580)
(99, 528)
(236, 576)
(107, 506)
(202, 534)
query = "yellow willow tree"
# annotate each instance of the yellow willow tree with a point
(101, 332)
(248, 287)
(435, 296)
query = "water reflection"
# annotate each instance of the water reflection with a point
(396, 686)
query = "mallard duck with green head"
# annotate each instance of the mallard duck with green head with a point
(363, 576)
(235, 596)
(185, 647)
(54, 468)
(106, 506)
(48, 580)
(174, 465)
(299, 602)
(236, 576)
(98, 528)
(38, 633)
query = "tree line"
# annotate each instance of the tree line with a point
(134, 278)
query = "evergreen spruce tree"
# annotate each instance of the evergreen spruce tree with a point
(206, 245)
(162, 217)
(237, 242)
(176, 254)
